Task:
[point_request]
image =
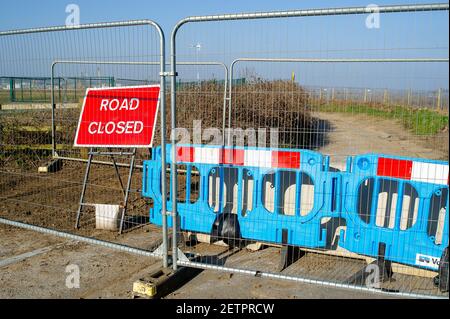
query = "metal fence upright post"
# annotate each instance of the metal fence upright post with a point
(439, 104)
(11, 90)
(163, 143)
(173, 164)
(53, 105)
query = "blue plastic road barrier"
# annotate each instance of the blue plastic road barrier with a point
(398, 201)
(267, 191)
(260, 194)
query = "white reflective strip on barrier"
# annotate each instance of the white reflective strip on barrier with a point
(207, 155)
(258, 158)
(429, 173)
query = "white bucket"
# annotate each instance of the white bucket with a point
(107, 216)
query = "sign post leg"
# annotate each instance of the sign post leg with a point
(83, 191)
(116, 168)
(127, 191)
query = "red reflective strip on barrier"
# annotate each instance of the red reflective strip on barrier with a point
(232, 156)
(282, 159)
(394, 168)
(185, 154)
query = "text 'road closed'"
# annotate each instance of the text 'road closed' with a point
(118, 117)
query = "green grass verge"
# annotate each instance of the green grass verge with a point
(419, 121)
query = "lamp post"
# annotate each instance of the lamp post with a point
(197, 48)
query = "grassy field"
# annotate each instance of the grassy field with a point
(42, 96)
(419, 121)
(4, 97)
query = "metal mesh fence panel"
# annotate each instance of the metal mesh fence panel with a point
(332, 169)
(35, 134)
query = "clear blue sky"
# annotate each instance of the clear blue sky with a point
(422, 35)
(19, 14)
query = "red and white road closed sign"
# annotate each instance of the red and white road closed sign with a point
(118, 117)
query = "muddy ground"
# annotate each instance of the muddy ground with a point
(33, 265)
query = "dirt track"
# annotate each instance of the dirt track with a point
(51, 201)
(360, 134)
